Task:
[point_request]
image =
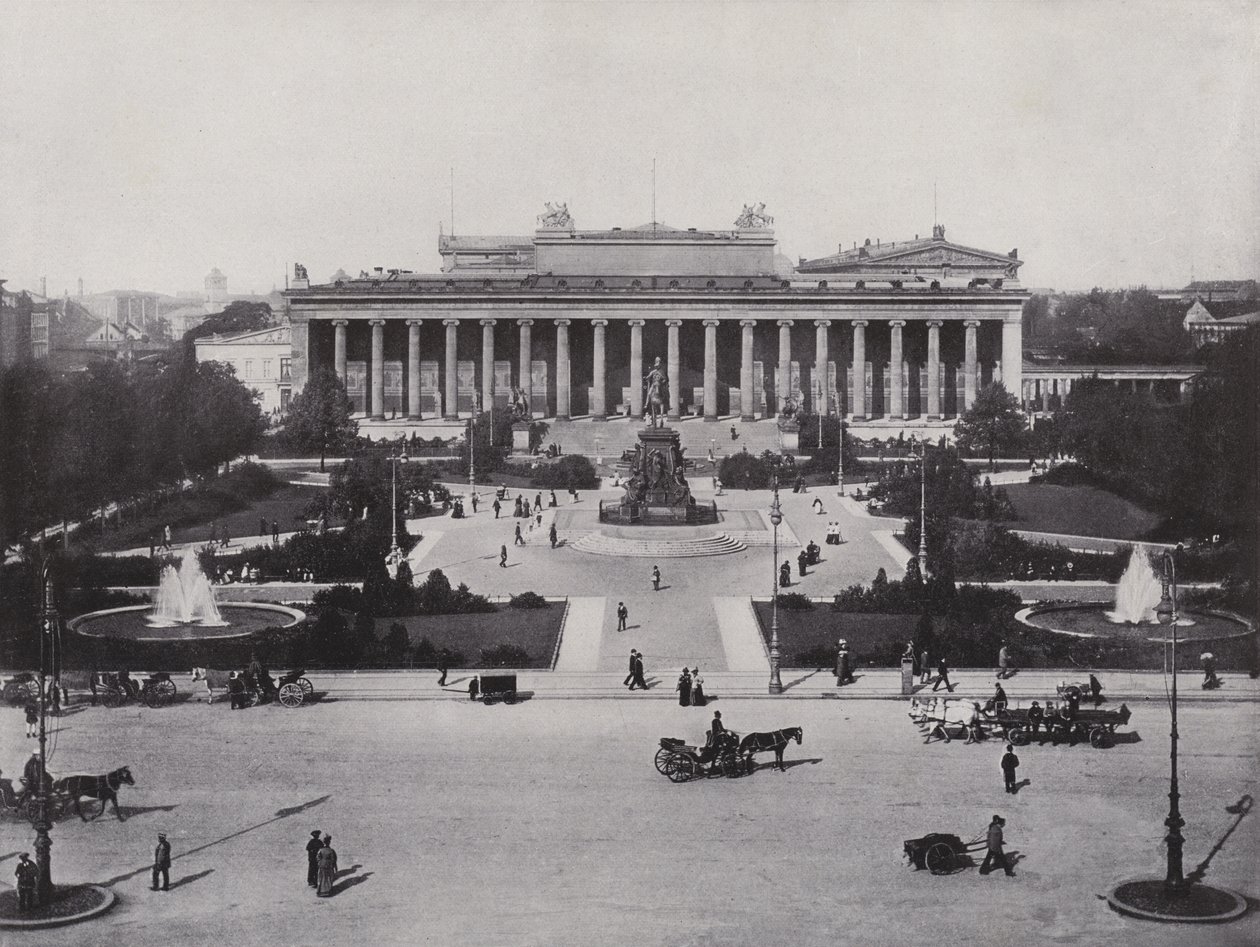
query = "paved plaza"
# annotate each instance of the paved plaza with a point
(545, 823)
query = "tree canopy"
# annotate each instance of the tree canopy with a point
(320, 417)
(993, 423)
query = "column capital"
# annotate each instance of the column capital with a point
(450, 323)
(748, 323)
(785, 323)
(673, 323)
(341, 322)
(897, 323)
(712, 323)
(972, 323)
(415, 323)
(860, 323)
(935, 323)
(599, 323)
(376, 322)
(524, 322)
(488, 322)
(562, 323)
(636, 323)
(822, 323)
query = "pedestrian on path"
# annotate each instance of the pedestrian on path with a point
(503, 554)
(622, 614)
(684, 688)
(474, 502)
(995, 857)
(942, 676)
(802, 560)
(551, 501)
(166, 536)
(152, 544)
(32, 717)
(162, 863)
(638, 671)
(785, 574)
(27, 874)
(519, 540)
(925, 667)
(262, 526)
(818, 506)
(325, 869)
(537, 502)
(1010, 763)
(697, 689)
(275, 532)
(1004, 662)
(656, 578)
(497, 507)
(629, 681)
(312, 849)
(443, 663)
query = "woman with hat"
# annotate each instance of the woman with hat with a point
(325, 869)
(684, 688)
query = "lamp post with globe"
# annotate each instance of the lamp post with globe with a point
(1166, 612)
(396, 457)
(776, 517)
(48, 635)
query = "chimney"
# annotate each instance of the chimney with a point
(43, 286)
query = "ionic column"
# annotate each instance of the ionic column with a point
(710, 369)
(820, 365)
(970, 370)
(339, 348)
(636, 368)
(378, 369)
(525, 372)
(562, 369)
(934, 371)
(487, 364)
(1013, 355)
(1045, 396)
(673, 366)
(598, 408)
(450, 410)
(785, 363)
(897, 403)
(413, 369)
(746, 393)
(859, 370)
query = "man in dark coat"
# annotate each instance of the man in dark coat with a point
(802, 561)
(162, 863)
(444, 665)
(553, 536)
(27, 873)
(638, 671)
(312, 849)
(785, 574)
(942, 672)
(622, 614)
(629, 681)
(503, 554)
(995, 857)
(519, 540)
(1035, 715)
(1010, 763)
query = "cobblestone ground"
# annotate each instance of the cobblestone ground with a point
(545, 823)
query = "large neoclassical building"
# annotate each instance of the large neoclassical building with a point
(885, 333)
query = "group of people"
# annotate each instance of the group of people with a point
(255, 678)
(834, 537)
(321, 864)
(690, 688)
(635, 677)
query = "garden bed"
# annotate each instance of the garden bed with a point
(1078, 511)
(807, 639)
(534, 630)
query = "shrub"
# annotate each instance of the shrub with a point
(819, 656)
(527, 600)
(744, 471)
(426, 655)
(571, 470)
(505, 656)
(795, 602)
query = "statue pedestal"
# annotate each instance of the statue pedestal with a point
(789, 435)
(657, 492)
(520, 438)
(907, 677)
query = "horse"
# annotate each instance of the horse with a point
(213, 679)
(656, 394)
(776, 740)
(104, 788)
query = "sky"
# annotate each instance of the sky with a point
(1113, 144)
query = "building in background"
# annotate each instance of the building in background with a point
(261, 360)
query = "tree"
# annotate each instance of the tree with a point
(993, 423)
(320, 417)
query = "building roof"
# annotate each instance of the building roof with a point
(269, 335)
(935, 251)
(1220, 286)
(1247, 319)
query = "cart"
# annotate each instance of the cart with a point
(156, 690)
(498, 687)
(941, 853)
(680, 761)
(1096, 726)
(20, 688)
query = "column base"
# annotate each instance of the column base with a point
(562, 417)
(599, 417)
(450, 417)
(673, 417)
(412, 417)
(748, 417)
(376, 417)
(710, 417)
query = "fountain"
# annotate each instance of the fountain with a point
(184, 596)
(1138, 592)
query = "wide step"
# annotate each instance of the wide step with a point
(601, 544)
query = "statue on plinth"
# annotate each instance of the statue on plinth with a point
(656, 393)
(520, 405)
(556, 218)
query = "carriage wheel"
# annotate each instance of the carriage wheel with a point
(940, 859)
(30, 807)
(1100, 737)
(12, 695)
(307, 687)
(291, 695)
(160, 693)
(1072, 692)
(682, 769)
(112, 697)
(662, 760)
(1019, 736)
(731, 766)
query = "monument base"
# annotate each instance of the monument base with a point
(520, 438)
(657, 493)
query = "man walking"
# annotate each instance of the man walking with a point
(519, 540)
(162, 863)
(497, 506)
(1010, 763)
(638, 671)
(503, 552)
(275, 532)
(942, 676)
(474, 503)
(628, 683)
(622, 614)
(553, 536)
(312, 849)
(443, 663)
(995, 857)
(27, 876)
(1004, 662)
(656, 578)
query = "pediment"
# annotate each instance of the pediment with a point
(943, 254)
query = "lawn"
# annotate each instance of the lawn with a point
(534, 629)
(808, 639)
(1078, 511)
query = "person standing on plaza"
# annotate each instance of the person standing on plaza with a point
(818, 506)
(785, 574)
(1010, 763)
(942, 676)
(697, 689)
(497, 506)
(443, 665)
(802, 560)
(537, 502)
(503, 556)
(995, 857)
(473, 502)
(312, 867)
(638, 671)
(325, 869)
(622, 614)
(1004, 662)
(925, 667)
(551, 500)
(684, 688)
(553, 536)
(519, 540)
(262, 526)
(629, 681)
(275, 532)
(27, 873)
(162, 863)
(32, 718)
(656, 578)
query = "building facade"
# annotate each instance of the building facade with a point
(884, 334)
(261, 360)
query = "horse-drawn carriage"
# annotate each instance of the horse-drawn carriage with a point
(940, 853)
(1096, 726)
(64, 792)
(732, 756)
(291, 690)
(117, 688)
(20, 688)
(939, 720)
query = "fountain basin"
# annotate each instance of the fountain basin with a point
(130, 623)
(1090, 620)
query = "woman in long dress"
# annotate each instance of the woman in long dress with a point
(325, 869)
(684, 688)
(697, 688)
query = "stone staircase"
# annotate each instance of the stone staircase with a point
(656, 547)
(696, 436)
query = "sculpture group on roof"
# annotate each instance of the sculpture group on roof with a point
(556, 217)
(754, 218)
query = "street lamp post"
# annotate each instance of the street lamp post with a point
(1167, 614)
(923, 511)
(395, 554)
(840, 461)
(43, 842)
(472, 431)
(776, 517)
